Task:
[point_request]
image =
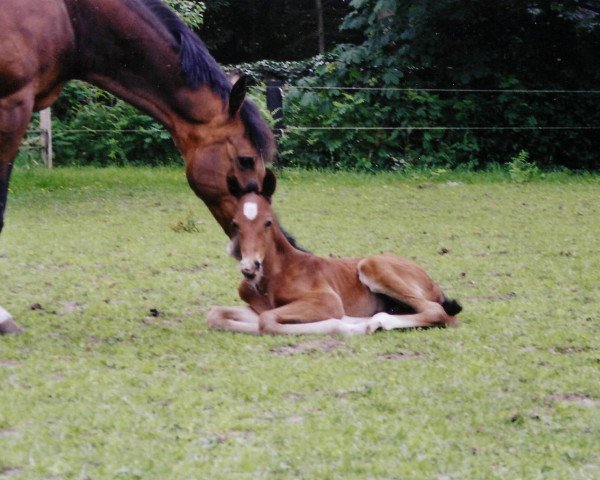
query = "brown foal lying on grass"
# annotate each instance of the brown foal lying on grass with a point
(290, 291)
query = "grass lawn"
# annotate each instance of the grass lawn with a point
(112, 273)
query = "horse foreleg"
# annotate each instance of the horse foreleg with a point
(234, 319)
(15, 113)
(5, 171)
(313, 315)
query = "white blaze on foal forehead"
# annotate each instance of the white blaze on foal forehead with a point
(250, 210)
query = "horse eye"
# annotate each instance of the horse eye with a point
(246, 163)
(234, 226)
(268, 223)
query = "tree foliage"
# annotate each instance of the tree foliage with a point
(239, 31)
(442, 44)
(191, 11)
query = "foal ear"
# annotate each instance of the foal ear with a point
(237, 95)
(269, 184)
(234, 187)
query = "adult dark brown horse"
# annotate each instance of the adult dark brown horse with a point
(142, 52)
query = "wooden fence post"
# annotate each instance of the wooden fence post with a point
(46, 137)
(275, 106)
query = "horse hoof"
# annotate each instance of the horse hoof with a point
(7, 324)
(373, 326)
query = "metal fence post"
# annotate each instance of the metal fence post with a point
(46, 137)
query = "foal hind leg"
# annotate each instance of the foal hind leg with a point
(15, 113)
(407, 283)
(318, 313)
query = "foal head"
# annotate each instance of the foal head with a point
(253, 226)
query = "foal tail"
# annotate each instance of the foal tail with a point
(451, 307)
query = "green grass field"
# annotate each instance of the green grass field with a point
(112, 273)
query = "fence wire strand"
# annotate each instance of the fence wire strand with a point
(446, 90)
(592, 127)
(60, 132)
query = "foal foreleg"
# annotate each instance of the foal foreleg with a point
(234, 319)
(312, 316)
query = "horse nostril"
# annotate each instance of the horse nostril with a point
(246, 163)
(257, 264)
(249, 275)
(251, 187)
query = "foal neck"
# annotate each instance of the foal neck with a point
(282, 252)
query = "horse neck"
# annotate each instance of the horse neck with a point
(281, 254)
(121, 48)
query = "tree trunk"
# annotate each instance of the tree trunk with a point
(320, 25)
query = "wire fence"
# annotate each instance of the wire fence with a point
(409, 128)
(418, 128)
(443, 90)
(275, 94)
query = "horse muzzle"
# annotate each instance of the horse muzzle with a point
(251, 269)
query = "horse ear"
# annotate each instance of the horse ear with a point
(233, 77)
(234, 187)
(237, 95)
(269, 184)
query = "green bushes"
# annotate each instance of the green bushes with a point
(91, 127)
(371, 148)
(414, 50)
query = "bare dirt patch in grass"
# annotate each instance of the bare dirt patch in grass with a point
(9, 471)
(578, 399)
(5, 363)
(492, 298)
(401, 355)
(568, 349)
(310, 347)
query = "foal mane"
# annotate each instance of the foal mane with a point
(200, 68)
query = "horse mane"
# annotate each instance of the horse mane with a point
(200, 68)
(258, 130)
(197, 64)
(293, 242)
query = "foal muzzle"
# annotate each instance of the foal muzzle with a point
(251, 268)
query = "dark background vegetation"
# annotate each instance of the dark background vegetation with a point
(397, 48)
(242, 31)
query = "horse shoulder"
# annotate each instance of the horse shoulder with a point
(288, 289)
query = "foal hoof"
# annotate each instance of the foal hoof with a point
(373, 326)
(7, 324)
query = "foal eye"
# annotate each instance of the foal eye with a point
(246, 163)
(234, 226)
(268, 223)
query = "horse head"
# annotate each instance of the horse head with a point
(235, 143)
(253, 226)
